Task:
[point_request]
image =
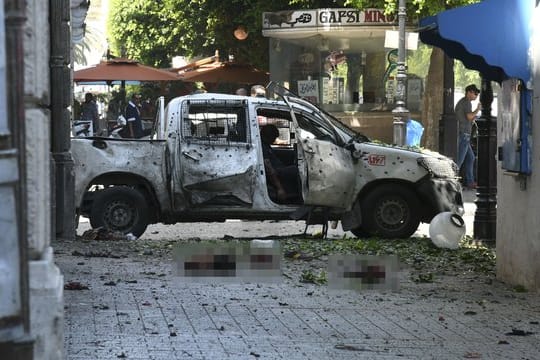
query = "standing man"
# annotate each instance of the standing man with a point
(89, 111)
(133, 117)
(465, 117)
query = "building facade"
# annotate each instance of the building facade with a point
(344, 60)
(36, 176)
(508, 159)
(518, 215)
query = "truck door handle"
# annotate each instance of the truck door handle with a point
(188, 155)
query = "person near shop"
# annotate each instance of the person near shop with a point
(466, 117)
(89, 111)
(241, 91)
(133, 116)
(258, 91)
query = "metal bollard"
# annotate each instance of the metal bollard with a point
(400, 115)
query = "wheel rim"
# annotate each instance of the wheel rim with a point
(392, 214)
(120, 215)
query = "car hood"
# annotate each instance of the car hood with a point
(404, 151)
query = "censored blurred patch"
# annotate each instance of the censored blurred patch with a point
(246, 261)
(363, 272)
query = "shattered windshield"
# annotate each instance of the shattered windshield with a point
(275, 90)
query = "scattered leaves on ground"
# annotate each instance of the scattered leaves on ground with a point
(305, 257)
(309, 276)
(425, 260)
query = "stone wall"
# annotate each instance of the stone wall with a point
(518, 210)
(46, 281)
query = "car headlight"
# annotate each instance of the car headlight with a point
(441, 168)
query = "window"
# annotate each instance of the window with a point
(312, 124)
(214, 121)
(281, 119)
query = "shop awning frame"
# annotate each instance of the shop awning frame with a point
(492, 37)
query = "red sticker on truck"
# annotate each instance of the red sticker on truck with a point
(376, 160)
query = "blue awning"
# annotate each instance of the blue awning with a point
(492, 36)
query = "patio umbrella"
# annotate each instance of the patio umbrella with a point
(224, 72)
(121, 70)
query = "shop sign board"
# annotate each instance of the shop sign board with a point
(325, 18)
(309, 90)
(289, 19)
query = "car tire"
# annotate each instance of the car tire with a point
(120, 208)
(390, 211)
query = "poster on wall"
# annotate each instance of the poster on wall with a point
(333, 90)
(309, 90)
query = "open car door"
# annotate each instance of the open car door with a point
(325, 165)
(216, 159)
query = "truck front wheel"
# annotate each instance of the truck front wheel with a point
(120, 208)
(390, 211)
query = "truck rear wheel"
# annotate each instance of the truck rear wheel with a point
(390, 211)
(120, 208)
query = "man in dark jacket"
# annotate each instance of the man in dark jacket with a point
(133, 117)
(89, 111)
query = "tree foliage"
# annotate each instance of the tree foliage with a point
(418, 7)
(153, 31)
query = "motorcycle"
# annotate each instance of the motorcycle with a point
(119, 131)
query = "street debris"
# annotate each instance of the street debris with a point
(310, 277)
(104, 254)
(352, 348)
(425, 261)
(518, 332)
(455, 287)
(75, 285)
(472, 355)
(103, 234)
(446, 230)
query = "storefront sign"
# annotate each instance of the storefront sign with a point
(325, 18)
(344, 17)
(289, 19)
(309, 90)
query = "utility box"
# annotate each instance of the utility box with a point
(515, 115)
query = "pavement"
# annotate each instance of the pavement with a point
(126, 302)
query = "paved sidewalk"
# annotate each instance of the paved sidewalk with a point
(135, 308)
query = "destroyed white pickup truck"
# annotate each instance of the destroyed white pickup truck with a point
(204, 163)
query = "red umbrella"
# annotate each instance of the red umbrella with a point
(224, 72)
(122, 70)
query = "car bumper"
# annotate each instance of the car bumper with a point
(440, 195)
